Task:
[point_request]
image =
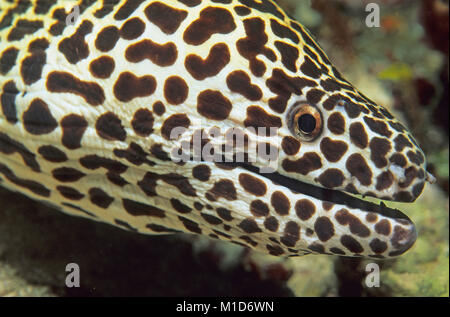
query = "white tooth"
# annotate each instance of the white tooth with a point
(430, 178)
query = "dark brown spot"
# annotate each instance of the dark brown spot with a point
(70, 193)
(102, 67)
(158, 151)
(175, 121)
(401, 142)
(274, 250)
(290, 145)
(415, 158)
(58, 27)
(175, 90)
(125, 225)
(249, 226)
(331, 178)
(357, 166)
(127, 9)
(371, 217)
(73, 128)
(358, 135)
(309, 68)
(410, 174)
(344, 217)
(403, 239)
(100, 198)
(191, 3)
(333, 150)
(62, 82)
(38, 119)
(291, 234)
(168, 19)
(225, 214)
(314, 96)
(259, 208)
(212, 20)
(280, 203)
(397, 126)
(283, 31)
(324, 228)
(305, 209)
(129, 86)
(383, 227)
(384, 180)
(336, 123)
(201, 172)
(31, 67)
(109, 127)
(161, 55)
(271, 224)
(93, 162)
(242, 11)
(307, 163)
(142, 122)
(284, 86)
(218, 58)
(213, 105)
(158, 228)
(223, 188)
(337, 251)
(198, 206)
(136, 208)
(132, 29)
(158, 108)
(351, 244)
(8, 101)
(213, 220)
(52, 154)
(317, 248)
(238, 81)
(43, 6)
(289, 55)
(107, 39)
(378, 126)
(254, 45)
(24, 27)
(379, 147)
(330, 84)
(134, 154)
(32, 186)
(75, 48)
(10, 146)
(257, 117)
(67, 175)
(378, 246)
(107, 8)
(179, 206)
(252, 184)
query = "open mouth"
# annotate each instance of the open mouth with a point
(325, 194)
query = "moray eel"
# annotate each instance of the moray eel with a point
(92, 91)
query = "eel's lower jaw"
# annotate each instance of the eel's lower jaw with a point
(401, 238)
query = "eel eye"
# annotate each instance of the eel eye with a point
(306, 121)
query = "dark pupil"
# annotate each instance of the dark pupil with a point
(306, 123)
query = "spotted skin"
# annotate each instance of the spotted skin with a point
(87, 112)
